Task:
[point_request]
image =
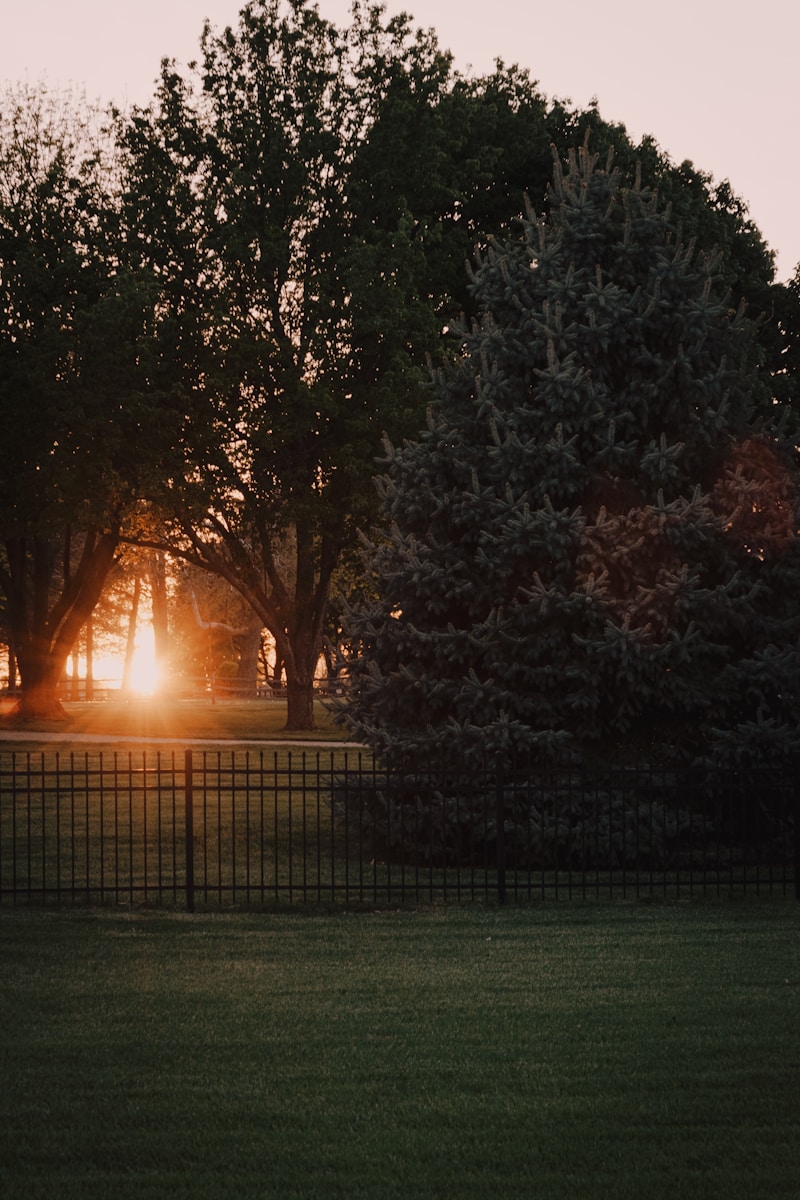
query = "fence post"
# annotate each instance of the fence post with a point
(500, 821)
(796, 817)
(189, 829)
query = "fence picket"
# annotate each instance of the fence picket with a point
(290, 828)
(188, 795)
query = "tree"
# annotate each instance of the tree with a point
(72, 417)
(785, 327)
(710, 215)
(215, 633)
(295, 313)
(307, 197)
(594, 540)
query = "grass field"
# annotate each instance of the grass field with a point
(178, 721)
(609, 1051)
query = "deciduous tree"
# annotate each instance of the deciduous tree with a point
(72, 417)
(300, 296)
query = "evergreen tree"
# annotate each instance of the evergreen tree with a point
(594, 541)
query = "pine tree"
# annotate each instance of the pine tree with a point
(594, 540)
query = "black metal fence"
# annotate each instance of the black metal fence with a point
(249, 829)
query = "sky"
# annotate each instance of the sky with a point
(713, 81)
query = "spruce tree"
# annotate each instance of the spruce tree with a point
(593, 543)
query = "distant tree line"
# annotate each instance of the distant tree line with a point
(215, 307)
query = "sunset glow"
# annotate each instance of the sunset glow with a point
(144, 669)
(108, 669)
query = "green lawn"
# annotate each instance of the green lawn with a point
(178, 721)
(607, 1051)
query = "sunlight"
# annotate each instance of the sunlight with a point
(108, 669)
(145, 676)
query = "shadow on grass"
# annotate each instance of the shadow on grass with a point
(613, 1052)
(176, 720)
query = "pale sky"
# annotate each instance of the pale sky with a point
(714, 81)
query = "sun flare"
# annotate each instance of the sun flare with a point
(108, 670)
(145, 675)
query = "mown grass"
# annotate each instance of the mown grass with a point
(602, 1052)
(177, 721)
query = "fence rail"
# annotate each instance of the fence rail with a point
(241, 829)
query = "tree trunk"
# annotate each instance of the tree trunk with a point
(12, 667)
(130, 643)
(40, 676)
(299, 656)
(158, 592)
(90, 659)
(300, 707)
(40, 703)
(74, 677)
(46, 613)
(292, 608)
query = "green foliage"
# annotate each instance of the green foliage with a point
(77, 418)
(228, 309)
(296, 322)
(603, 820)
(306, 198)
(784, 328)
(53, 296)
(595, 537)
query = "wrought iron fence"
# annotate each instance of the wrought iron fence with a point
(252, 829)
